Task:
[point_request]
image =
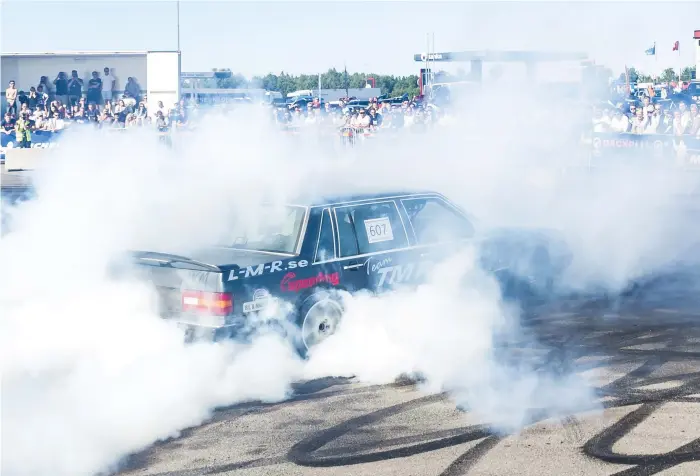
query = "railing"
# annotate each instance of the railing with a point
(664, 149)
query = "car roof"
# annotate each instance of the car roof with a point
(336, 199)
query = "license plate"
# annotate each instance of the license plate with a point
(254, 306)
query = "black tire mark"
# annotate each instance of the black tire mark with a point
(469, 458)
(593, 338)
(624, 391)
(303, 453)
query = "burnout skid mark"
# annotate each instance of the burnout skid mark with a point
(625, 391)
(606, 342)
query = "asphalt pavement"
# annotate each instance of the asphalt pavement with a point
(644, 362)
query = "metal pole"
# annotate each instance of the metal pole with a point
(178, 25)
(432, 73)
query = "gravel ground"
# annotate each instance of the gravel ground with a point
(644, 362)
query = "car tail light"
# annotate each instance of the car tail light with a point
(217, 304)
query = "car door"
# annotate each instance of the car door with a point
(332, 260)
(373, 241)
(439, 229)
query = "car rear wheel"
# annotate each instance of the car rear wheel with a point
(320, 317)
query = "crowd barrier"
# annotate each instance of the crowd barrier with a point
(40, 139)
(660, 148)
(23, 159)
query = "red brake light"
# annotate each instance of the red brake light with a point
(217, 304)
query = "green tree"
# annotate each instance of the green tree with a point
(687, 73)
(668, 75)
(332, 79)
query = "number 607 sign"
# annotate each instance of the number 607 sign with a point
(378, 230)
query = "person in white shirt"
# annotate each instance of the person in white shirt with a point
(599, 123)
(678, 128)
(639, 123)
(654, 119)
(362, 120)
(108, 83)
(310, 116)
(619, 122)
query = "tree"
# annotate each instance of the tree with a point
(331, 79)
(633, 75)
(687, 73)
(668, 75)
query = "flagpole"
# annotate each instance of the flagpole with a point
(656, 60)
(680, 66)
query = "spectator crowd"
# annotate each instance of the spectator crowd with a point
(365, 116)
(650, 114)
(52, 106)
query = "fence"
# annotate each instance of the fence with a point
(660, 149)
(349, 135)
(40, 139)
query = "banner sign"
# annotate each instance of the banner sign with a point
(609, 148)
(40, 139)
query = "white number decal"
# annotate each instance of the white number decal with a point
(378, 230)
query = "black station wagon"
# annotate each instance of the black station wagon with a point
(301, 254)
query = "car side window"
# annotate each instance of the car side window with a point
(378, 227)
(434, 221)
(325, 248)
(346, 233)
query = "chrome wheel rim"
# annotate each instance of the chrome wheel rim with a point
(321, 321)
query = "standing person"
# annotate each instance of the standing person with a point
(42, 98)
(24, 134)
(75, 88)
(61, 83)
(32, 99)
(108, 83)
(133, 89)
(11, 97)
(44, 83)
(94, 93)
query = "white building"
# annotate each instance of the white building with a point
(157, 72)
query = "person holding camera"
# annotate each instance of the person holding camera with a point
(61, 84)
(75, 88)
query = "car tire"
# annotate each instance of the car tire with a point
(318, 318)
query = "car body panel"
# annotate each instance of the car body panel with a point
(370, 242)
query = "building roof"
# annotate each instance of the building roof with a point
(502, 56)
(315, 200)
(81, 53)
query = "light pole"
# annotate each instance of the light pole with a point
(178, 25)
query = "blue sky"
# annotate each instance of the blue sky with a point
(259, 37)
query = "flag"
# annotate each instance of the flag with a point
(651, 51)
(676, 46)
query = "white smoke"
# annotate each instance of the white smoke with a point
(446, 333)
(90, 373)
